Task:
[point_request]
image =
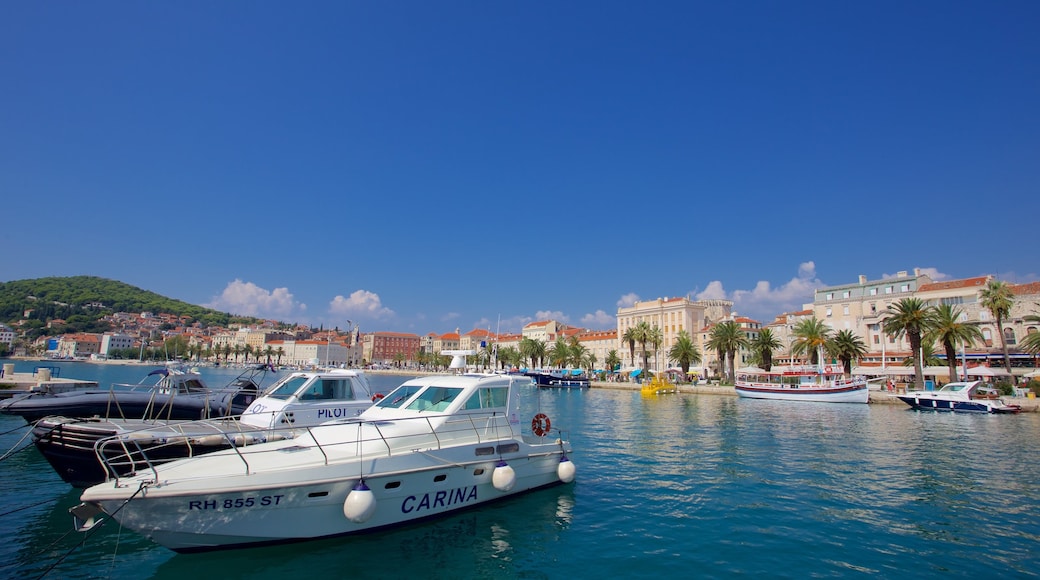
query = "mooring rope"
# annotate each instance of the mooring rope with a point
(88, 533)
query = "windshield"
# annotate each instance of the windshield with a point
(287, 388)
(398, 396)
(434, 399)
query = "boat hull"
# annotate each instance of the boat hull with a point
(931, 403)
(557, 381)
(855, 393)
(309, 503)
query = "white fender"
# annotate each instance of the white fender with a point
(503, 478)
(360, 503)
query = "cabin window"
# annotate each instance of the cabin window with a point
(434, 399)
(487, 398)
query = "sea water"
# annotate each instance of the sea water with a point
(671, 486)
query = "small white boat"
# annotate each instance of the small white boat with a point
(87, 451)
(816, 384)
(959, 397)
(432, 446)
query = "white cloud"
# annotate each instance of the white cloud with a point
(628, 300)
(248, 299)
(714, 291)
(599, 320)
(552, 315)
(764, 302)
(362, 304)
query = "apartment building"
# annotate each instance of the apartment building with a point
(672, 316)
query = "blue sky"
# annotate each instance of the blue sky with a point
(425, 166)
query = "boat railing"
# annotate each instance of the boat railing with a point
(141, 450)
(152, 444)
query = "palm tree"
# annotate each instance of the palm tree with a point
(642, 334)
(727, 337)
(910, 317)
(559, 353)
(684, 352)
(613, 360)
(811, 336)
(948, 331)
(655, 337)
(998, 298)
(280, 352)
(764, 345)
(846, 346)
(1031, 342)
(532, 349)
(630, 337)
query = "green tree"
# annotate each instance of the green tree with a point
(765, 344)
(684, 352)
(810, 337)
(998, 299)
(533, 350)
(613, 361)
(1031, 342)
(910, 317)
(949, 331)
(630, 338)
(559, 353)
(655, 337)
(846, 347)
(727, 337)
(643, 336)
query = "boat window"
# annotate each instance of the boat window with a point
(434, 399)
(398, 396)
(287, 388)
(487, 398)
(192, 386)
(341, 389)
(320, 391)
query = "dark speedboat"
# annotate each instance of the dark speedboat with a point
(167, 393)
(559, 379)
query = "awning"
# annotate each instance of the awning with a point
(636, 372)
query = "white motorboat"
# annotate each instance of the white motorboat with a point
(817, 384)
(434, 445)
(87, 451)
(960, 397)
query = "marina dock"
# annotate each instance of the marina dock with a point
(42, 379)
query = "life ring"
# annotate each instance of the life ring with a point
(541, 424)
(827, 369)
(377, 396)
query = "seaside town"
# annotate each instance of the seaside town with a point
(994, 324)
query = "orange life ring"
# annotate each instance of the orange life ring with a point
(541, 424)
(828, 369)
(377, 396)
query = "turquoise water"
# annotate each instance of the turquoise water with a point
(673, 486)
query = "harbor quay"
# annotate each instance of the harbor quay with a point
(876, 397)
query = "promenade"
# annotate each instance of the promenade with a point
(876, 397)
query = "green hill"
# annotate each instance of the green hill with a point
(83, 300)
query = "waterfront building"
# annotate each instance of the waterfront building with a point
(312, 353)
(542, 330)
(389, 348)
(599, 343)
(114, 341)
(672, 316)
(7, 335)
(78, 345)
(860, 307)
